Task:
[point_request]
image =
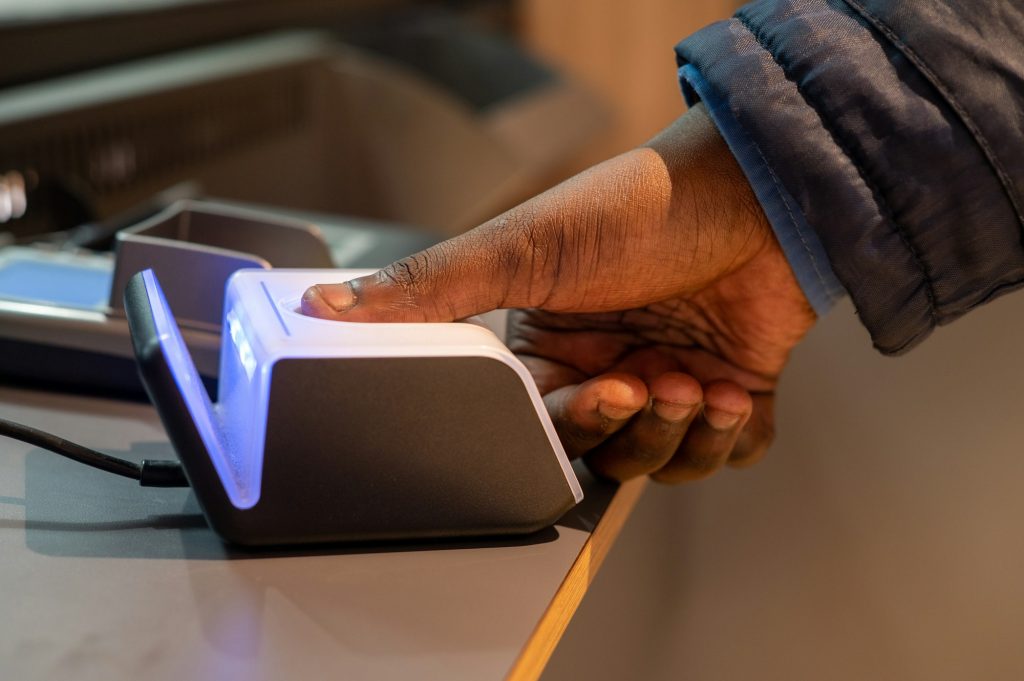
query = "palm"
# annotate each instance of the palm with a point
(739, 329)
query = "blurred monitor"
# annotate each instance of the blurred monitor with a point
(43, 38)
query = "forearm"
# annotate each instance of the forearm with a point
(891, 138)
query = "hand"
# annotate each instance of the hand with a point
(659, 308)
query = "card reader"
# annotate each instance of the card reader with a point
(330, 431)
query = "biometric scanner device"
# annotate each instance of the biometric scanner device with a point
(331, 431)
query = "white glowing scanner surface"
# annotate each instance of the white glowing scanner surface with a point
(262, 325)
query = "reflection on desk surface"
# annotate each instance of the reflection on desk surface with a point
(132, 580)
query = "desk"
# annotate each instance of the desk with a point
(106, 580)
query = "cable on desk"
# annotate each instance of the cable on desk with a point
(150, 473)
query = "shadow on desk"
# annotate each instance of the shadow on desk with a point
(75, 511)
(391, 604)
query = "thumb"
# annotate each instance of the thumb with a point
(481, 270)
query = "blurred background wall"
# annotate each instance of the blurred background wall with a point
(623, 52)
(880, 539)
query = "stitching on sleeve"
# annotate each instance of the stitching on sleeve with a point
(883, 208)
(951, 100)
(793, 221)
(780, 192)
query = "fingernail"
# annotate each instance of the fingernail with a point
(673, 411)
(721, 420)
(339, 297)
(614, 413)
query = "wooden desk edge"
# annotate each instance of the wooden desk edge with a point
(541, 644)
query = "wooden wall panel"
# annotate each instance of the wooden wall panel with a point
(623, 51)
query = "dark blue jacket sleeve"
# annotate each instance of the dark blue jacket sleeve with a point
(895, 130)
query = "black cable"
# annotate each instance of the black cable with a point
(149, 473)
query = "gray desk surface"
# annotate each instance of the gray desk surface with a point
(103, 579)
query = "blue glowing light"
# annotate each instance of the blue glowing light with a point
(239, 340)
(229, 444)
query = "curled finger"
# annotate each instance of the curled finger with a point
(710, 439)
(587, 414)
(651, 437)
(757, 435)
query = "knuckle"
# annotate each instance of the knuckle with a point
(407, 273)
(527, 249)
(413, 275)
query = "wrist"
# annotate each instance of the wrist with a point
(710, 193)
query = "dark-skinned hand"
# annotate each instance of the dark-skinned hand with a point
(657, 309)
